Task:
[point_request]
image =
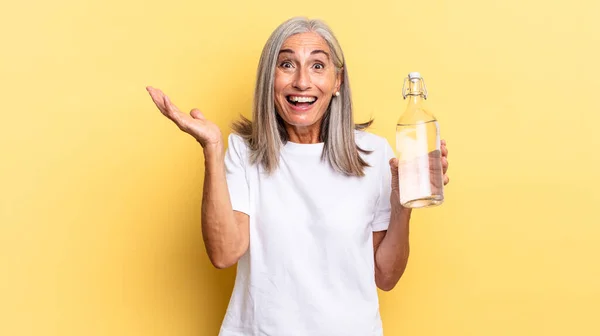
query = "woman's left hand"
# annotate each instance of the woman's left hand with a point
(444, 150)
(394, 169)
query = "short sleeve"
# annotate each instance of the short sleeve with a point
(235, 168)
(383, 207)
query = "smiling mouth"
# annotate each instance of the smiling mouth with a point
(301, 101)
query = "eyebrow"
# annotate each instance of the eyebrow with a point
(317, 51)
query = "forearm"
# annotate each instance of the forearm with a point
(223, 237)
(392, 253)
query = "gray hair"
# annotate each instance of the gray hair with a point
(266, 134)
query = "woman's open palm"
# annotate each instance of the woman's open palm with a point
(195, 124)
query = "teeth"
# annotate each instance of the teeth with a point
(302, 99)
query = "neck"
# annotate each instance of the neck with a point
(416, 99)
(305, 134)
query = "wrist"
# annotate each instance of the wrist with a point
(399, 209)
(213, 152)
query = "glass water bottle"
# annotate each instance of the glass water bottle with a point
(418, 149)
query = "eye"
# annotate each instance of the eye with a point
(286, 65)
(319, 66)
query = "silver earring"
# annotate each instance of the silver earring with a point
(337, 93)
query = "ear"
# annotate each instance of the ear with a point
(339, 79)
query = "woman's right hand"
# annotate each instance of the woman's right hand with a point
(195, 124)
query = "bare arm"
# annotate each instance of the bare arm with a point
(392, 247)
(225, 232)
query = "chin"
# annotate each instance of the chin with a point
(301, 120)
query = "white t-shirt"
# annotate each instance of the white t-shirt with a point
(309, 269)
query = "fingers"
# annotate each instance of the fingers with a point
(395, 180)
(444, 165)
(394, 164)
(157, 98)
(172, 111)
(163, 103)
(167, 108)
(160, 99)
(444, 149)
(446, 179)
(196, 114)
(394, 168)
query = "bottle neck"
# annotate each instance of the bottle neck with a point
(416, 110)
(416, 89)
(416, 92)
(416, 99)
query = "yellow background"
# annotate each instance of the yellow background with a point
(100, 194)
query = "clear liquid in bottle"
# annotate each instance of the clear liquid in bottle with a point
(418, 149)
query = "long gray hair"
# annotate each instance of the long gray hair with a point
(266, 133)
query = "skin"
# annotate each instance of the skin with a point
(392, 247)
(226, 232)
(304, 68)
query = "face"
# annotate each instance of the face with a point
(305, 81)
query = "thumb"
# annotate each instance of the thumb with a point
(394, 180)
(394, 171)
(394, 166)
(196, 114)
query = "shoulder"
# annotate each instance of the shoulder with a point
(380, 150)
(237, 143)
(237, 149)
(371, 142)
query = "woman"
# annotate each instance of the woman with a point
(303, 200)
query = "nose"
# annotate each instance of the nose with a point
(302, 80)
